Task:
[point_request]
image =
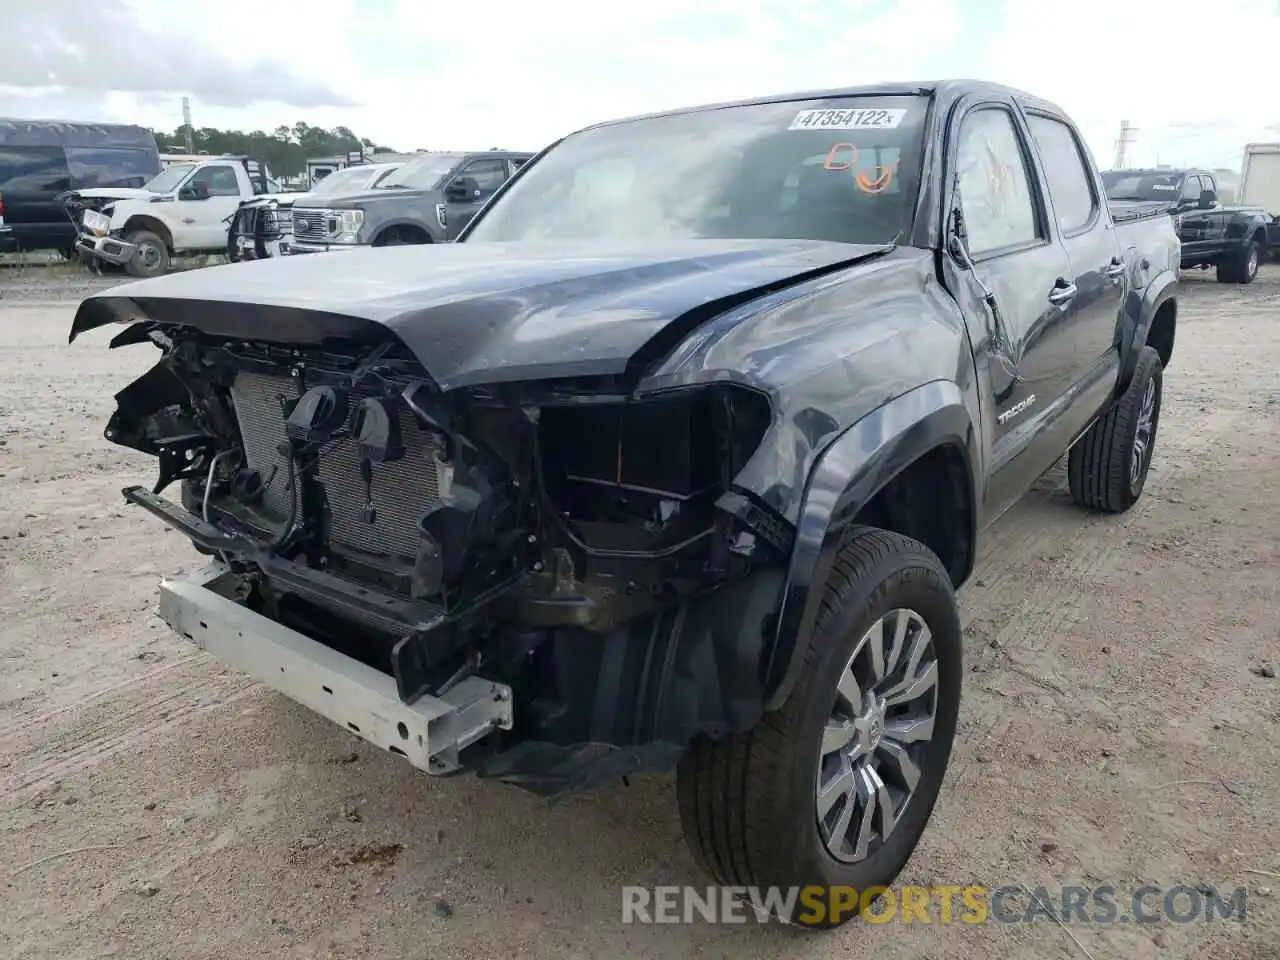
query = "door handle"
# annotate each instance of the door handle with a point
(1115, 269)
(1063, 293)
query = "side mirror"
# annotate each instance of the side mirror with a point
(1207, 199)
(462, 190)
(194, 191)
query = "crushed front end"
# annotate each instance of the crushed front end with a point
(97, 243)
(552, 583)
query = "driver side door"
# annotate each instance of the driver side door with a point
(486, 176)
(203, 221)
(1016, 293)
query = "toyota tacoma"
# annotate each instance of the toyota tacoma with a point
(675, 459)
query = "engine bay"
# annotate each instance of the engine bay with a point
(432, 534)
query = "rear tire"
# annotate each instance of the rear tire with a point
(1241, 267)
(749, 803)
(151, 259)
(1107, 467)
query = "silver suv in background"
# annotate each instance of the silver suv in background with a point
(428, 200)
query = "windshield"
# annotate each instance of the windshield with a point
(843, 169)
(167, 180)
(341, 180)
(424, 174)
(1125, 185)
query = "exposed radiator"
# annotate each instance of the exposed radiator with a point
(402, 490)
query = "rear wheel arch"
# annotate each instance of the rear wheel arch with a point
(1162, 329)
(909, 467)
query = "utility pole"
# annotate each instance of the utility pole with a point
(186, 123)
(1127, 131)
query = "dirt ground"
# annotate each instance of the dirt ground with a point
(1118, 725)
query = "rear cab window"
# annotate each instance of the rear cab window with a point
(1067, 173)
(842, 169)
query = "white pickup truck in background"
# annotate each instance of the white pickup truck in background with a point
(183, 210)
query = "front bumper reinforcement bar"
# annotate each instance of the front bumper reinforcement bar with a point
(429, 733)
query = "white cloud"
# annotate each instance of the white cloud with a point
(518, 74)
(1196, 81)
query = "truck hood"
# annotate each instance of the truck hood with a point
(483, 312)
(117, 193)
(346, 201)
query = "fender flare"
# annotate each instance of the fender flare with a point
(1162, 288)
(847, 474)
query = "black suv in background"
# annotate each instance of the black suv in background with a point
(428, 200)
(1231, 239)
(40, 160)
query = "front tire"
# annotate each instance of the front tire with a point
(1242, 267)
(835, 788)
(1107, 467)
(151, 259)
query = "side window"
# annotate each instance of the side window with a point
(489, 175)
(1190, 188)
(33, 169)
(1067, 172)
(995, 188)
(110, 167)
(221, 181)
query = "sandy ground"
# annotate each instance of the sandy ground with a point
(1116, 725)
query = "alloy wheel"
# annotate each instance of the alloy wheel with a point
(877, 735)
(1143, 436)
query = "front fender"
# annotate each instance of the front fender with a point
(122, 210)
(848, 473)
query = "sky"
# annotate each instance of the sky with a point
(518, 75)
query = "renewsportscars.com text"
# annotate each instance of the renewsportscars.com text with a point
(942, 904)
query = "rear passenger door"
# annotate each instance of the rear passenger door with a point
(1023, 346)
(1098, 272)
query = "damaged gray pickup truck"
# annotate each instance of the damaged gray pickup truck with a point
(675, 459)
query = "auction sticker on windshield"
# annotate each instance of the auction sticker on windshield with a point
(857, 119)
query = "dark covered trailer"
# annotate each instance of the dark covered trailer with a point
(67, 133)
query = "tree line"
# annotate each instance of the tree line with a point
(284, 150)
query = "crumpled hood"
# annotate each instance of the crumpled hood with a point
(482, 312)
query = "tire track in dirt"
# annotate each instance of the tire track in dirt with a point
(1062, 594)
(71, 740)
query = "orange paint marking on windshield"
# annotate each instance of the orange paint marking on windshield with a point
(877, 184)
(833, 162)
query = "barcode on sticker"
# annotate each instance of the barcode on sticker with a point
(859, 119)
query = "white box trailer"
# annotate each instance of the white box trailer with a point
(1260, 187)
(1260, 177)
